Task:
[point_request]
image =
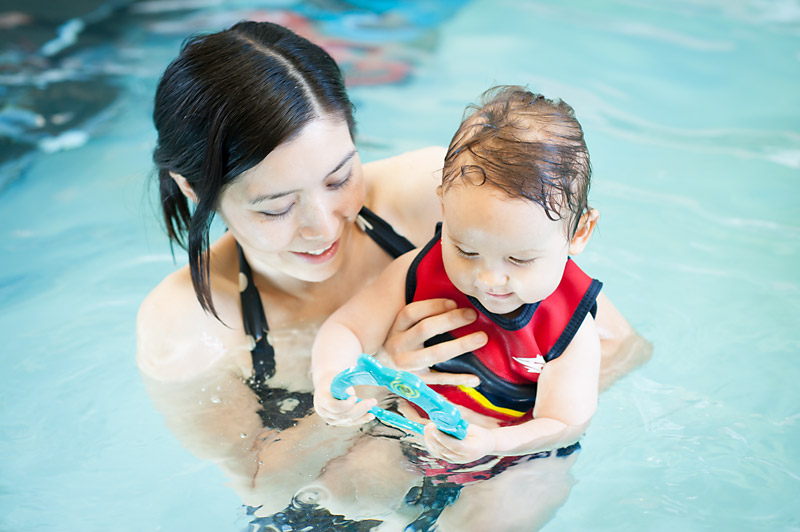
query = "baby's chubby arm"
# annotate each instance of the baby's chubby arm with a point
(359, 326)
(565, 403)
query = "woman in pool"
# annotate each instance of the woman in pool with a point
(254, 126)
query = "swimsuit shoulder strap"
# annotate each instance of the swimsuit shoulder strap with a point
(255, 322)
(382, 233)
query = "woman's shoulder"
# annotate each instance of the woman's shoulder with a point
(428, 158)
(402, 190)
(176, 339)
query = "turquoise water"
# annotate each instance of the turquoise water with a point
(692, 116)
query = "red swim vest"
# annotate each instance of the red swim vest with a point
(518, 348)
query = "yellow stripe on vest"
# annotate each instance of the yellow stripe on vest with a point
(484, 402)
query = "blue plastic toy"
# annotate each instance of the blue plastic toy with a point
(368, 371)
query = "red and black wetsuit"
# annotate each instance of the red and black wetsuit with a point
(517, 349)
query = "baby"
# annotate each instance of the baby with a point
(514, 205)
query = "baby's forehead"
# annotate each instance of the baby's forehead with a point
(460, 195)
(475, 177)
(500, 226)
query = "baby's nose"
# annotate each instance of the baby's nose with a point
(492, 277)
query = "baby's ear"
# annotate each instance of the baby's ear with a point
(584, 232)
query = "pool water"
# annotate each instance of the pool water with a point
(692, 116)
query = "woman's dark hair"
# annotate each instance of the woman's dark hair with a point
(221, 107)
(528, 147)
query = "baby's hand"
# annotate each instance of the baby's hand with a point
(478, 443)
(350, 411)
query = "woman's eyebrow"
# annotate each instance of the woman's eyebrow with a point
(342, 163)
(276, 195)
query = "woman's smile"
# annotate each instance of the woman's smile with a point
(320, 255)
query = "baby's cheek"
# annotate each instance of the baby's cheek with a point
(554, 282)
(538, 286)
(461, 277)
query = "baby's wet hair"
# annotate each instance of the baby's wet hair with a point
(526, 145)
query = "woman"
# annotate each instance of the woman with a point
(254, 126)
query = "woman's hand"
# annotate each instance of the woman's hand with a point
(422, 320)
(478, 443)
(345, 412)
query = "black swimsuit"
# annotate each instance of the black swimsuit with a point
(281, 408)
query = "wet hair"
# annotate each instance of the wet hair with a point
(221, 107)
(527, 146)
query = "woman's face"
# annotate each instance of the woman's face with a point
(292, 212)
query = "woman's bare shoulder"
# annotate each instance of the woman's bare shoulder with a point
(403, 191)
(423, 158)
(176, 339)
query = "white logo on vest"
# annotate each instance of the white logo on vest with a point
(533, 365)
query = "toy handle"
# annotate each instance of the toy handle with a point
(396, 420)
(407, 385)
(358, 375)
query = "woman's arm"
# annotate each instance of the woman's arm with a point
(623, 349)
(565, 403)
(193, 369)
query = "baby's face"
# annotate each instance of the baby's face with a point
(503, 251)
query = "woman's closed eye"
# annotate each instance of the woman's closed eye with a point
(341, 183)
(274, 215)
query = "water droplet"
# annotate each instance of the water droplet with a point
(215, 399)
(243, 435)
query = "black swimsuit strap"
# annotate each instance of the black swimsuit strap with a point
(255, 320)
(382, 233)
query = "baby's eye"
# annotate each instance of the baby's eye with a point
(521, 262)
(465, 254)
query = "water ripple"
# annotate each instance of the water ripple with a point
(775, 146)
(781, 147)
(648, 31)
(697, 209)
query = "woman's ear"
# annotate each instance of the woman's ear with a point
(185, 187)
(584, 232)
(441, 197)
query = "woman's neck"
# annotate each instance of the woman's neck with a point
(289, 300)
